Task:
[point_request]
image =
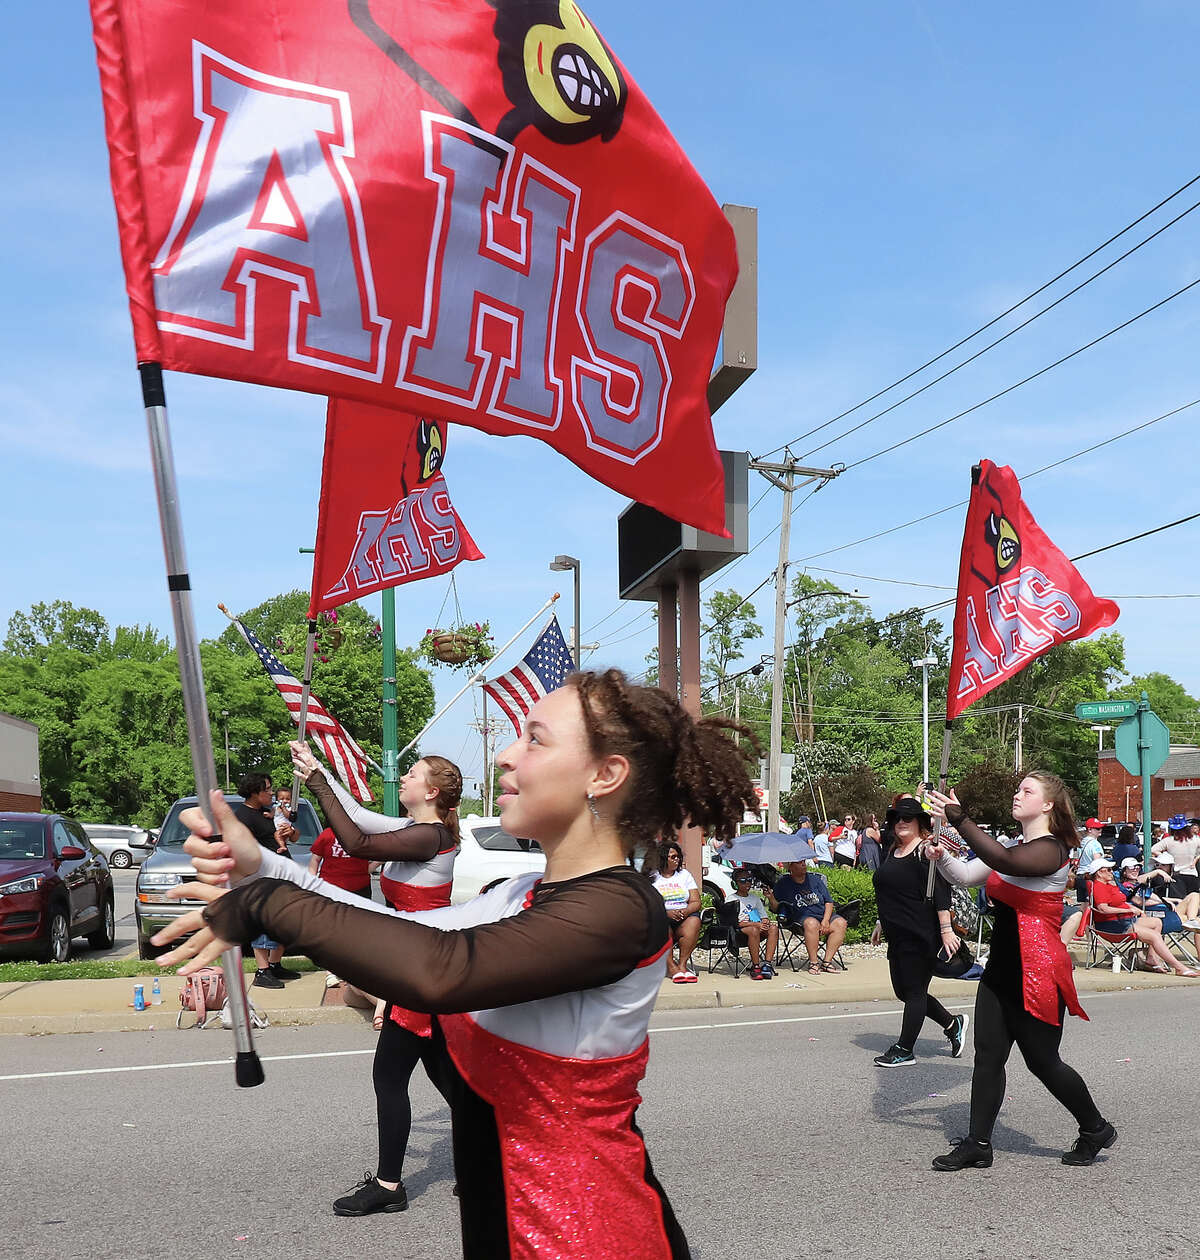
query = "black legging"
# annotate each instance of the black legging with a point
(999, 1022)
(397, 1052)
(911, 974)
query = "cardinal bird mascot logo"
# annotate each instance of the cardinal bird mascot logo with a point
(559, 76)
(1004, 541)
(558, 73)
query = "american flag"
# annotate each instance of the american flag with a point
(543, 668)
(343, 754)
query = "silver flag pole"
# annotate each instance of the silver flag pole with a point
(248, 1070)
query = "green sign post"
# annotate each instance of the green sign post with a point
(1142, 744)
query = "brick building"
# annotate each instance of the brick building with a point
(20, 777)
(1175, 789)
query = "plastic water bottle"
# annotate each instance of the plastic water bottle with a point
(1116, 964)
(139, 997)
(156, 993)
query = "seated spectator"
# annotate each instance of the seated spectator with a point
(1126, 845)
(664, 865)
(801, 899)
(755, 923)
(1113, 914)
(1158, 892)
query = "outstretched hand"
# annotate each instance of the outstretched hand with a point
(233, 856)
(938, 802)
(203, 947)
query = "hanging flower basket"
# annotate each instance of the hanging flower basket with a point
(462, 646)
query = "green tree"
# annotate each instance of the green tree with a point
(1179, 710)
(728, 622)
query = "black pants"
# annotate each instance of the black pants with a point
(1000, 1023)
(911, 974)
(397, 1052)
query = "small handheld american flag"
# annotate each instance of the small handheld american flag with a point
(544, 668)
(344, 755)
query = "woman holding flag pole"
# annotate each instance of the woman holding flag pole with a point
(542, 988)
(1018, 596)
(1027, 983)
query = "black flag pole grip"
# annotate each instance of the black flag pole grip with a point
(247, 1069)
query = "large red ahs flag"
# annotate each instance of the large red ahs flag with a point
(456, 208)
(383, 521)
(1018, 595)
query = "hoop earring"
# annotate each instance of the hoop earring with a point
(591, 802)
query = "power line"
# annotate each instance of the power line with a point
(1037, 472)
(1183, 520)
(993, 321)
(941, 424)
(993, 344)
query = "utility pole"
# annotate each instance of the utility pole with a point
(784, 476)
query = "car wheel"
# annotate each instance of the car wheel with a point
(718, 897)
(103, 939)
(58, 940)
(120, 860)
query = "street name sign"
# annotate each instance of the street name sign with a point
(1105, 710)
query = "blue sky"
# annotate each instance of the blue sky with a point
(917, 167)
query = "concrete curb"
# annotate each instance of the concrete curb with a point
(47, 1007)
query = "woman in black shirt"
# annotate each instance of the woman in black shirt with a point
(916, 929)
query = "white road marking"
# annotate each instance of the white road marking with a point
(341, 1054)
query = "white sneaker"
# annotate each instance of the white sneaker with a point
(332, 981)
(1192, 925)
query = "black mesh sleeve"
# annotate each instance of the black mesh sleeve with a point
(1042, 856)
(417, 843)
(578, 934)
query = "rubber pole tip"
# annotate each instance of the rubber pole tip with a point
(248, 1070)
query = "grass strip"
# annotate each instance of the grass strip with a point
(109, 969)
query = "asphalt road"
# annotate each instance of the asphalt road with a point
(770, 1128)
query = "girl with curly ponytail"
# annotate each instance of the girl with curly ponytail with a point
(542, 988)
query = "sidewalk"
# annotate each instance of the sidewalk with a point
(70, 1006)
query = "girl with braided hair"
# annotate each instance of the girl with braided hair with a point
(542, 988)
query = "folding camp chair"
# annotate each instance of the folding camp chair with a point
(1109, 947)
(721, 933)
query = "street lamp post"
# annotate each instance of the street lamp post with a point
(925, 662)
(225, 723)
(560, 564)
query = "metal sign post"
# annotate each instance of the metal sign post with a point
(1142, 744)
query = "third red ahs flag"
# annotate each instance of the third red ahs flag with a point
(463, 209)
(1018, 595)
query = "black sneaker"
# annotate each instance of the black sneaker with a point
(955, 1033)
(369, 1196)
(1089, 1145)
(265, 978)
(969, 1153)
(896, 1056)
(756, 973)
(280, 972)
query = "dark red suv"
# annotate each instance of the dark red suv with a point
(54, 884)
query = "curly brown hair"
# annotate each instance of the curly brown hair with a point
(680, 770)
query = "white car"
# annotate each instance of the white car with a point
(715, 878)
(488, 855)
(123, 846)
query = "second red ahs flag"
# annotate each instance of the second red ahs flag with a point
(457, 208)
(1018, 595)
(386, 516)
